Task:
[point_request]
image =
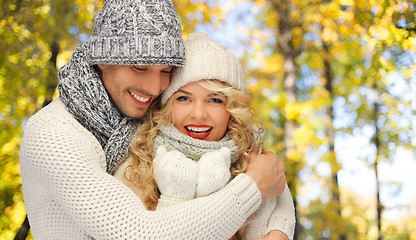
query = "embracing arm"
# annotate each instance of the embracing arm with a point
(283, 217)
(67, 162)
(275, 219)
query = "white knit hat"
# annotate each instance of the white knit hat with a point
(205, 59)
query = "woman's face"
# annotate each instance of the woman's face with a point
(200, 113)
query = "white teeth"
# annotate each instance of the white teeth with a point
(139, 98)
(198, 129)
(198, 133)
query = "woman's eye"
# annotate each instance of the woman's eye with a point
(216, 100)
(182, 98)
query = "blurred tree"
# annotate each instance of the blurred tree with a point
(404, 16)
(317, 69)
(37, 38)
(334, 44)
(379, 107)
(33, 34)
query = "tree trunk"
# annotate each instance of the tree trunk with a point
(52, 76)
(377, 145)
(330, 132)
(284, 45)
(23, 230)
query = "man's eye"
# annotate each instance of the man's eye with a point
(136, 68)
(169, 71)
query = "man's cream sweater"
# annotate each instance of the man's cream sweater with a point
(69, 195)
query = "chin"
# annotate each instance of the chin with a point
(134, 114)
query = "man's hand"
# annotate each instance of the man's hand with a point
(268, 173)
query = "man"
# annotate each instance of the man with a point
(71, 148)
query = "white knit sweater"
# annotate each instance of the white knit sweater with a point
(273, 214)
(69, 195)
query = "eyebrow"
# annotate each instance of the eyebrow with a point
(215, 94)
(209, 95)
(183, 91)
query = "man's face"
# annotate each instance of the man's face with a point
(133, 88)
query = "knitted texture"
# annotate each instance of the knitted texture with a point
(172, 139)
(257, 226)
(266, 219)
(175, 174)
(180, 178)
(213, 171)
(283, 217)
(69, 195)
(205, 59)
(83, 93)
(136, 32)
(273, 214)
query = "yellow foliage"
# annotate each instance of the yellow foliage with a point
(291, 111)
(63, 58)
(273, 64)
(13, 59)
(43, 10)
(358, 28)
(303, 137)
(22, 102)
(10, 146)
(329, 35)
(293, 155)
(346, 2)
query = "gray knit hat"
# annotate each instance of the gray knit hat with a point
(136, 32)
(205, 59)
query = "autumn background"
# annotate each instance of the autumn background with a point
(333, 83)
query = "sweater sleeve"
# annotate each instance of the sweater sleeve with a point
(273, 214)
(65, 162)
(283, 217)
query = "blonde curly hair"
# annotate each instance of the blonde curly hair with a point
(242, 128)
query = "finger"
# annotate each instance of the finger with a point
(254, 154)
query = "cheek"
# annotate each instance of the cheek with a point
(177, 122)
(222, 120)
(110, 85)
(176, 115)
(164, 84)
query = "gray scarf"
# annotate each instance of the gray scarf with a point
(85, 97)
(172, 139)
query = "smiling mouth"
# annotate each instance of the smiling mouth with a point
(139, 98)
(197, 131)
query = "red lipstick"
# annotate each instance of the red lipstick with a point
(198, 131)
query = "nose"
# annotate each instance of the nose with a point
(155, 83)
(199, 111)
